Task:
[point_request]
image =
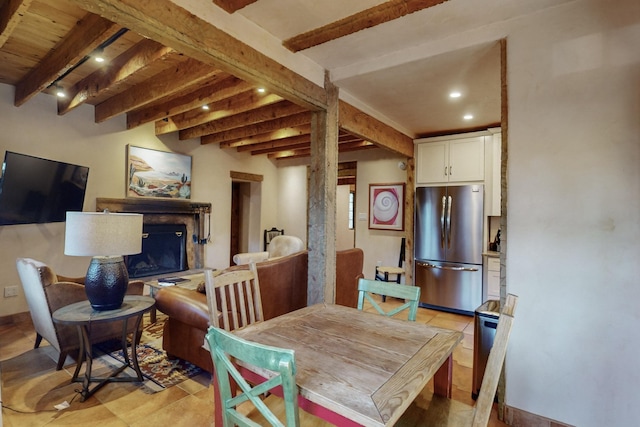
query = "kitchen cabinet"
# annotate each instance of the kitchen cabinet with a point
(441, 160)
(492, 277)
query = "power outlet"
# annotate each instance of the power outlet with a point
(10, 291)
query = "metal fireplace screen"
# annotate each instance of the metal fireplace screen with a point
(164, 250)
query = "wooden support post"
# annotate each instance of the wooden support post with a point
(323, 183)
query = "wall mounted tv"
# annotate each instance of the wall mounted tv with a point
(35, 190)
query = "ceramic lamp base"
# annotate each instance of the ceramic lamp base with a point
(106, 282)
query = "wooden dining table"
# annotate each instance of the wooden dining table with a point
(355, 367)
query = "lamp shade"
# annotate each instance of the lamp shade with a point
(102, 233)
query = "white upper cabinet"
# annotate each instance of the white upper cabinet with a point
(451, 160)
(492, 187)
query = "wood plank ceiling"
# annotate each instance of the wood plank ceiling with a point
(47, 45)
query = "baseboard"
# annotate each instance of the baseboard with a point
(518, 418)
(15, 318)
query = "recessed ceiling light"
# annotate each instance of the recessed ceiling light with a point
(261, 90)
(205, 107)
(60, 93)
(468, 116)
(455, 94)
(98, 56)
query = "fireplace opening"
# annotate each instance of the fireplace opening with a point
(164, 250)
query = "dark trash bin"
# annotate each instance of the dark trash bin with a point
(485, 324)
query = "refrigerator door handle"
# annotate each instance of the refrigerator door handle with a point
(446, 267)
(449, 223)
(443, 225)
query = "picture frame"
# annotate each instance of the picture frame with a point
(157, 174)
(386, 206)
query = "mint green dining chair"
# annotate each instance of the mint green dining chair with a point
(226, 348)
(411, 295)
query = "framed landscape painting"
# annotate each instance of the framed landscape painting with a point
(157, 174)
(386, 206)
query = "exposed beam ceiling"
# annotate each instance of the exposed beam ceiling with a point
(371, 17)
(165, 64)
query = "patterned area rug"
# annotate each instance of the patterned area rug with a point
(156, 367)
(159, 371)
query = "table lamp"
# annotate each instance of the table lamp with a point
(106, 237)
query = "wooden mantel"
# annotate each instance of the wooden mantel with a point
(152, 206)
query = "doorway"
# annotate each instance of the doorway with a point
(345, 206)
(246, 194)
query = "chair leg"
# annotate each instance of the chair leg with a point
(61, 359)
(38, 340)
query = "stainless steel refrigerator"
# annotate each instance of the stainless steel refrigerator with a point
(448, 247)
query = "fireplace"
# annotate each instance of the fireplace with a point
(164, 250)
(165, 218)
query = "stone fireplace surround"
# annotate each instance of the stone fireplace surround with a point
(158, 211)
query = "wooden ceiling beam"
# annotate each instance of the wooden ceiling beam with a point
(263, 151)
(187, 73)
(222, 86)
(246, 101)
(276, 135)
(348, 138)
(11, 14)
(290, 154)
(347, 180)
(89, 33)
(258, 128)
(259, 115)
(347, 169)
(119, 70)
(368, 18)
(169, 24)
(368, 128)
(355, 146)
(232, 5)
(277, 144)
(296, 153)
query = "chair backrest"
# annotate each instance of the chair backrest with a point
(34, 276)
(234, 297)
(270, 234)
(411, 295)
(285, 245)
(494, 363)
(223, 345)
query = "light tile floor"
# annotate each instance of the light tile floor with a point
(31, 386)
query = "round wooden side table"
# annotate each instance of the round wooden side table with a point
(82, 315)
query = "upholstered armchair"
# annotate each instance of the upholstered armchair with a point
(46, 292)
(278, 246)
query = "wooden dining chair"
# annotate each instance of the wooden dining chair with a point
(411, 295)
(233, 298)
(443, 412)
(226, 350)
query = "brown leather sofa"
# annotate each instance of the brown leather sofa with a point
(283, 288)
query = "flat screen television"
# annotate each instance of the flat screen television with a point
(35, 190)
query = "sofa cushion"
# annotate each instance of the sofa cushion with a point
(185, 305)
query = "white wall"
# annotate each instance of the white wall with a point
(573, 253)
(376, 167)
(292, 201)
(35, 129)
